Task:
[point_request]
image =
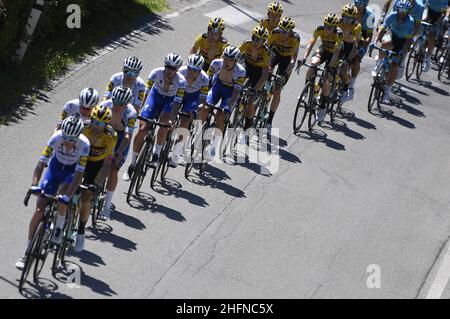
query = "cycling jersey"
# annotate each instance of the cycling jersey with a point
(368, 21)
(401, 29)
(238, 73)
(265, 23)
(138, 89)
(156, 82)
(201, 83)
(201, 46)
(438, 5)
(102, 145)
(129, 116)
(260, 59)
(72, 107)
(351, 32)
(55, 150)
(280, 47)
(329, 42)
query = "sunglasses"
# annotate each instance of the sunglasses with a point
(348, 19)
(69, 139)
(193, 69)
(328, 28)
(131, 74)
(121, 104)
(97, 122)
(171, 68)
(402, 10)
(86, 108)
(257, 40)
(214, 31)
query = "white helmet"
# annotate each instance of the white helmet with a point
(89, 97)
(72, 127)
(132, 63)
(173, 60)
(195, 61)
(121, 95)
(232, 52)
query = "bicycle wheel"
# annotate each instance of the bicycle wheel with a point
(138, 173)
(375, 93)
(411, 63)
(444, 64)
(260, 119)
(440, 49)
(42, 253)
(31, 253)
(192, 156)
(61, 249)
(302, 107)
(165, 156)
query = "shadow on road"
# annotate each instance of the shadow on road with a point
(174, 188)
(321, 137)
(388, 114)
(127, 220)
(342, 127)
(88, 258)
(147, 202)
(350, 116)
(108, 236)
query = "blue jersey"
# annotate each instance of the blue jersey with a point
(437, 5)
(416, 11)
(401, 29)
(368, 20)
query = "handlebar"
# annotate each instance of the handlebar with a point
(388, 52)
(154, 122)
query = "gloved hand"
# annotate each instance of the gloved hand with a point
(64, 199)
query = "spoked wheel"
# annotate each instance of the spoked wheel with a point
(302, 107)
(165, 157)
(192, 157)
(31, 253)
(375, 93)
(444, 64)
(61, 250)
(139, 171)
(411, 64)
(41, 254)
(260, 120)
(440, 49)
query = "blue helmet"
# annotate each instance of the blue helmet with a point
(404, 4)
(361, 3)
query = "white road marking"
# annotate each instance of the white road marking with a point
(441, 279)
(235, 15)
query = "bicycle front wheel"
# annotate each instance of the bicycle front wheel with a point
(302, 108)
(411, 63)
(31, 253)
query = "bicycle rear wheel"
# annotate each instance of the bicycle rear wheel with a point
(61, 249)
(411, 63)
(302, 107)
(42, 253)
(31, 253)
(375, 95)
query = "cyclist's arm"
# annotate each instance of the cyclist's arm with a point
(177, 103)
(386, 7)
(310, 46)
(336, 54)
(104, 171)
(37, 173)
(77, 178)
(108, 90)
(291, 65)
(43, 160)
(262, 79)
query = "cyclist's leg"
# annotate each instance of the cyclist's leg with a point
(435, 19)
(190, 105)
(282, 66)
(254, 75)
(315, 60)
(165, 116)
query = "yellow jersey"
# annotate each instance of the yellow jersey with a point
(260, 59)
(101, 146)
(351, 32)
(201, 46)
(329, 43)
(286, 48)
(265, 23)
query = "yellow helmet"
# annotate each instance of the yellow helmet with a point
(216, 24)
(331, 20)
(260, 32)
(286, 24)
(102, 114)
(349, 10)
(275, 8)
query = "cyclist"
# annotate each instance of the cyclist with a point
(81, 107)
(366, 17)
(284, 44)
(417, 9)
(102, 139)
(130, 78)
(210, 45)
(352, 35)
(228, 77)
(401, 25)
(66, 154)
(274, 12)
(123, 122)
(328, 53)
(163, 96)
(196, 90)
(435, 15)
(257, 56)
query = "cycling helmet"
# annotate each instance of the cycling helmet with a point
(72, 127)
(286, 24)
(132, 63)
(232, 52)
(361, 3)
(349, 10)
(260, 32)
(88, 97)
(275, 8)
(195, 61)
(404, 4)
(216, 24)
(173, 60)
(331, 20)
(102, 113)
(121, 95)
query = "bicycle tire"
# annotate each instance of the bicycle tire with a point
(190, 163)
(375, 92)
(41, 256)
(412, 55)
(303, 99)
(31, 254)
(444, 64)
(62, 248)
(165, 156)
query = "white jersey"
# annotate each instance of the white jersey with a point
(129, 116)
(238, 74)
(156, 82)
(201, 83)
(138, 89)
(72, 107)
(55, 148)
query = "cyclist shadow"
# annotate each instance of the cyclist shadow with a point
(92, 283)
(127, 220)
(171, 187)
(342, 127)
(320, 136)
(88, 258)
(400, 103)
(429, 85)
(386, 113)
(350, 116)
(43, 289)
(106, 235)
(146, 201)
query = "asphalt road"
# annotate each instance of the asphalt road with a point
(372, 190)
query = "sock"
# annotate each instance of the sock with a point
(157, 149)
(346, 86)
(215, 142)
(271, 114)
(81, 226)
(60, 221)
(177, 148)
(133, 158)
(248, 123)
(108, 199)
(352, 82)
